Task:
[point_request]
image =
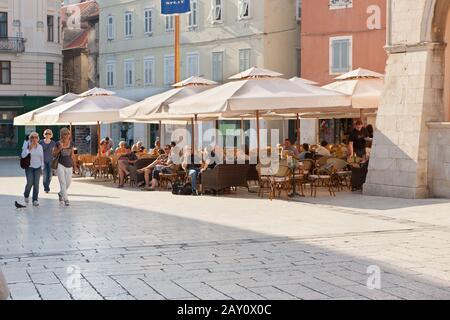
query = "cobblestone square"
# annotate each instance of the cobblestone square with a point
(127, 244)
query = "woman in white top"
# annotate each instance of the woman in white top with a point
(34, 171)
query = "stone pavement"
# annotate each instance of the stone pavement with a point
(127, 244)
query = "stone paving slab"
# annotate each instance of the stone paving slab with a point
(126, 244)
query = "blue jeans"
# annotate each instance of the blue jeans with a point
(47, 175)
(193, 173)
(33, 175)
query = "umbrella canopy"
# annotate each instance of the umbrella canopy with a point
(364, 86)
(93, 106)
(359, 74)
(28, 119)
(194, 81)
(255, 72)
(365, 92)
(262, 91)
(152, 108)
(303, 81)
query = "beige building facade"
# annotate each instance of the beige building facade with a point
(30, 63)
(411, 155)
(219, 38)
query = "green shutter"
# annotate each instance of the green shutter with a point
(49, 73)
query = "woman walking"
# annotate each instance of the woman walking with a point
(64, 153)
(33, 172)
(47, 145)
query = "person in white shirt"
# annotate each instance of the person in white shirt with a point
(322, 150)
(34, 171)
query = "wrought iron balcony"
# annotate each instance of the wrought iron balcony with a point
(16, 45)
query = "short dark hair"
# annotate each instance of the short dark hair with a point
(107, 138)
(324, 143)
(173, 144)
(160, 151)
(306, 147)
(358, 123)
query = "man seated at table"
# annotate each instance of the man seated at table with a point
(162, 159)
(305, 154)
(322, 150)
(290, 149)
(124, 162)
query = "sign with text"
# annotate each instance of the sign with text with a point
(175, 6)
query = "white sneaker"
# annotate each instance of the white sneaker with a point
(27, 200)
(35, 204)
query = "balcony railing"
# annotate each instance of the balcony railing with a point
(16, 45)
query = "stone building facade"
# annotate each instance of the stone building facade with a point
(80, 24)
(30, 65)
(411, 155)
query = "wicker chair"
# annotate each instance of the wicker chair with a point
(101, 167)
(322, 176)
(225, 176)
(135, 177)
(169, 178)
(86, 163)
(281, 181)
(265, 185)
(114, 167)
(341, 173)
(301, 176)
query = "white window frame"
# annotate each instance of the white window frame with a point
(298, 10)
(340, 4)
(148, 21)
(110, 68)
(189, 56)
(350, 54)
(249, 50)
(214, 7)
(169, 77)
(170, 23)
(125, 24)
(127, 84)
(111, 27)
(150, 60)
(241, 4)
(193, 23)
(222, 53)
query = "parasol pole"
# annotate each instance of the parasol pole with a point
(257, 133)
(298, 132)
(192, 136)
(98, 137)
(160, 131)
(194, 132)
(177, 48)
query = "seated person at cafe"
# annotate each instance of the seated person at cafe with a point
(139, 148)
(122, 148)
(165, 167)
(124, 162)
(357, 140)
(305, 154)
(290, 149)
(162, 158)
(104, 151)
(192, 165)
(322, 149)
(155, 151)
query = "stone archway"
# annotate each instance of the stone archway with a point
(414, 97)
